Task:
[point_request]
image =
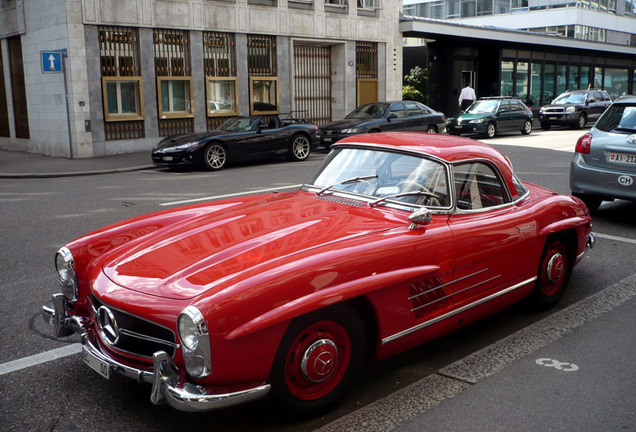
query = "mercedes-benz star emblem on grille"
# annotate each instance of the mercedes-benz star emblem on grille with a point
(107, 325)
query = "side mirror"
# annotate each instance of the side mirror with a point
(392, 116)
(420, 218)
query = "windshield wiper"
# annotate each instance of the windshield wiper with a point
(347, 181)
(412, 193)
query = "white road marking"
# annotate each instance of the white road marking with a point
(611, 237)
(229, 195)
(38, 359)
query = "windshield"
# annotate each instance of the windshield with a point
(374, 110)
(483, 106)
(569, 98)
(381, 174)
(237, 124)
(618, 117)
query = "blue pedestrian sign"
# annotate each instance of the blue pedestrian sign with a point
(51, 61)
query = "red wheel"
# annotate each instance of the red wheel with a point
(317, 359)
(554, 273)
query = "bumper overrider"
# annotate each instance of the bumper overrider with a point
(168, 384)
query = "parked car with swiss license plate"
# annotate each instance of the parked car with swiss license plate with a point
(604, 164)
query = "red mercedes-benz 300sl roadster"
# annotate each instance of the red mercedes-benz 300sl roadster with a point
(397, 238)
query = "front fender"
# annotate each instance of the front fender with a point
(328, 296)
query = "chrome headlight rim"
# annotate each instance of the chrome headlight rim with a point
(65, 268)
(195, 342)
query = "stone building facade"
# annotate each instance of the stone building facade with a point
(86, 78)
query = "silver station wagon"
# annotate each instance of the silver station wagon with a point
(604, 165)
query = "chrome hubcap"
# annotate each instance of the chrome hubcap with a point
(555, 268)
(319, 360)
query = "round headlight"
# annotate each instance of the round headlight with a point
(188, 332)
(570, 109)
(64, 264)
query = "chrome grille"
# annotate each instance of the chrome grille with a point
(136, 335)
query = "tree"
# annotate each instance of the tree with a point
(416, 85)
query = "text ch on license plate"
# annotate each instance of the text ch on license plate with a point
(624, 158)
(99, 366)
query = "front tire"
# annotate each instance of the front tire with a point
(581, 121)
(491, 130)
(431, 129)
(318, 358)
(299, 148)
(554, 273)
(214, 157)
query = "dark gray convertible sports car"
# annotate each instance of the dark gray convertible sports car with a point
(238, 139)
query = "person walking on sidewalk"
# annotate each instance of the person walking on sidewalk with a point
(466, 97)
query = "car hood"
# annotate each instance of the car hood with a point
(349, 123)
(177, 140)
(216, 249)
(472, 116)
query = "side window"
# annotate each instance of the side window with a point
(397, 109)
(516, 106)
(424, 108)
(412, 109)
(504, 106)
(477, 186)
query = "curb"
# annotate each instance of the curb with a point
(76, 173)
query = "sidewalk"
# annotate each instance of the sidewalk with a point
(16, 164)
(572, 371)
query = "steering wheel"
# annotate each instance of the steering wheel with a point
(413, 186)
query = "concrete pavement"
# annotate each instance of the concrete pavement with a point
(16, 164)
(573, 371)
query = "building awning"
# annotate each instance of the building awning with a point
(429, 28)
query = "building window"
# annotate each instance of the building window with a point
(264, 92)
(616, 82)
(119, 57)
(123, 99)
(507, 84)
(263, 72)
(369, 4)
(175, 97)
(174, 81)
(219, 60)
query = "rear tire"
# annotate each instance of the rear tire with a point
(318, 358)
(299, 148)
(431, 129)
(527, 128)
(554, 273)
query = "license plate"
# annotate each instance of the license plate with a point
(458, 127)
(99, 366)
(327, 139)
(622, 158)
(167, 158)
(552, 117)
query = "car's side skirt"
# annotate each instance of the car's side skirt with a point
(464, 308)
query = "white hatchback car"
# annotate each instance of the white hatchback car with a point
(604, 165)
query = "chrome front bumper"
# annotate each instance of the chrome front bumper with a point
(167, 384)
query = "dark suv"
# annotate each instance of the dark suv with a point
(575, 108)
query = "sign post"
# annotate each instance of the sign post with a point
(54, 62)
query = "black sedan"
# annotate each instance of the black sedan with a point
(238, 139)
(381, 117)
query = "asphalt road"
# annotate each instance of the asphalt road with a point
(40, 215)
